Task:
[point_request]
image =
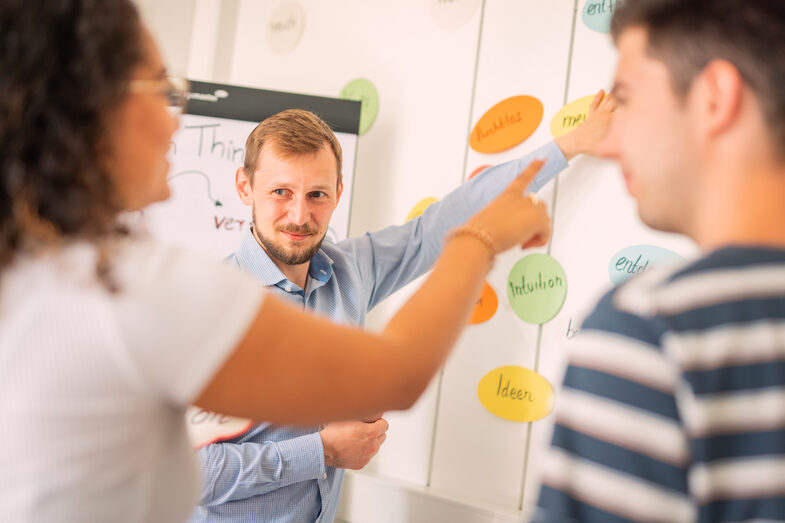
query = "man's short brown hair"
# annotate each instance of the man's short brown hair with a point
(688, 34)
(291, 133)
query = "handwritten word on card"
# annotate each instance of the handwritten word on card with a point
(516, 394)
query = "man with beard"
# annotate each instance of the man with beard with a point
(292, 180)
(673, 405)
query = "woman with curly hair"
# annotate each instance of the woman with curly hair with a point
(106, 337)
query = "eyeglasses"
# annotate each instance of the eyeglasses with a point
(175, 88)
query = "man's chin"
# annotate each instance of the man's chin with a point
(298, 257)
(659, 221)
(291, 255)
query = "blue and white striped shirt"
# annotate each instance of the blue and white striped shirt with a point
(673, 405)
(277, 473)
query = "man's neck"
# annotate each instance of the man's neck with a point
(748, 211)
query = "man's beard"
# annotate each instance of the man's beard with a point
(279, 253)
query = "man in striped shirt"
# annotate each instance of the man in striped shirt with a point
(673, 404)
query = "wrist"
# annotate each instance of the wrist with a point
(329, 453)
(569, 145)
(477, 235)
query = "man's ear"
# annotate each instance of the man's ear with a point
(243, 186)
(720, 95)
(338, 194)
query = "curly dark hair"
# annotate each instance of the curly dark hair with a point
(64, 64)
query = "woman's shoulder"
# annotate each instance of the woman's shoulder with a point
(143, 258)
(93, 266)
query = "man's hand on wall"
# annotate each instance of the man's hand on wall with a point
(588, 137)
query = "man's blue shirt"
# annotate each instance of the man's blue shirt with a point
(277, 473)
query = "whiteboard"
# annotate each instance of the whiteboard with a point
(204, 212)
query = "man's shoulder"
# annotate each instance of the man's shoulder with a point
(346, 251)
(631, 309)
(678, 295)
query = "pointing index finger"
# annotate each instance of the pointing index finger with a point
(527, 175)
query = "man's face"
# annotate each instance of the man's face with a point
(652, 137)
(292, 200)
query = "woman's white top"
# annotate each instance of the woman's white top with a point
(94, 385)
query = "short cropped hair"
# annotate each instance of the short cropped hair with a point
(291, 133)
(687, 34)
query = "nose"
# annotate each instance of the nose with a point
(174, 121)
(298, 211)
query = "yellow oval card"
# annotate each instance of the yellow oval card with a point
(571, 116)
(420, 208)
(516, 393)
(506, 124)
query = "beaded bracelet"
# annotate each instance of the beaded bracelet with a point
(481, 235)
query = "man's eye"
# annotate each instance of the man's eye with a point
(318, 194)
(280, 192)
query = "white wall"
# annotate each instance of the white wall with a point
(448, 459)
(172, 23)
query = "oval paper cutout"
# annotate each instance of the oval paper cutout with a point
(420, 208)
(485, 307)
(285, 27)
(516, 394)
(477, 171)
(597, 14)
(571, 116)
(453, 13)
(506, 124)
(537, 288)
(365, 92)
(205, 427)
(637, 258)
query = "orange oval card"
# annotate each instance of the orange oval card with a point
(506, 124)
(486, 306)
(477, 171)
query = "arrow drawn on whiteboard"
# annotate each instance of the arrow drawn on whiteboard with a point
(206, 179)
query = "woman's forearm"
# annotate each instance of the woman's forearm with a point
(294, 367)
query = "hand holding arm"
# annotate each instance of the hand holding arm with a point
(352, 444)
